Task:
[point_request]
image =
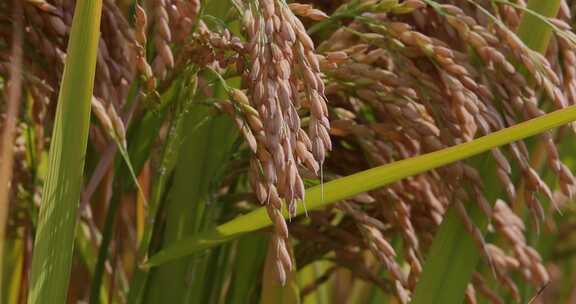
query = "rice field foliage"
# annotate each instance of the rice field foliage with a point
(54, 242)
(273, 151)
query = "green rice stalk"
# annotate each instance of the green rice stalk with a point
(250, 254)
(88, 254)
(188, 206)
(14, 274)
(167, 163)
(54, 244)
(139, 150)
(202, 157)
(98, 273)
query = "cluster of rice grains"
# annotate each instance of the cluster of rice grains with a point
(283, 76)
(121, 58)
(403, 78)
(432, 77)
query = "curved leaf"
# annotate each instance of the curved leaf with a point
(336, 190)
(61, 194)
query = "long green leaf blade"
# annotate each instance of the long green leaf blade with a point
(167, 163)
(204, 152)
(60, 198)
(354, 184)
(533, 32)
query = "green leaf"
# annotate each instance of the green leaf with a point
(182, 101)
(202, 157)
(250, 256)
(319, 196)
(535, 33)
(54, 243)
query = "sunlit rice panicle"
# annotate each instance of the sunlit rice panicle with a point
(510, 15)
(110, 121)
(386, 255)
(183, 16)
(144, 69)
(402, 218)
(470, 295)
(284, 75)
(537, 66)
(118, 38)
(482, 287)
(246, 119)
(380, 63)
(308, 11)
(523, 100)
(567, 53)
(512, 229)
(221, 44)
(458, 84)
(164, 60)
(381, 248)
(49, 27)
(102, 115)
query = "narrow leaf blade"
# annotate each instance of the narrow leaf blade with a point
(60, 198)
(336, 190)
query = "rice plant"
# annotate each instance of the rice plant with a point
(273, 151)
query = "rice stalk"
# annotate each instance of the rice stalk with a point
(54, 244)
(16, 259)
(251, 251)
(169, 159)
(203, 151)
